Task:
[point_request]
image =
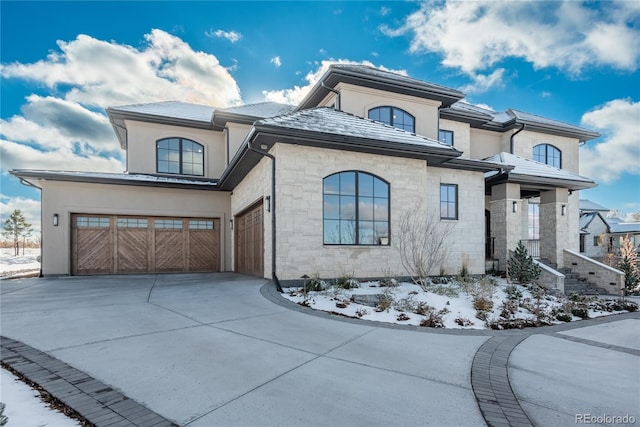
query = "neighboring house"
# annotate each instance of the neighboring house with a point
(601, 236)
(318, 188)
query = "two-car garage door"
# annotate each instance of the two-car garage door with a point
(114, 244)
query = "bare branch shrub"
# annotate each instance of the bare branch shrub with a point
(421, 242)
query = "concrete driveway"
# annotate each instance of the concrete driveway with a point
(210, 349)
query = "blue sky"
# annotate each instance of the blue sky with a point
(63, 63)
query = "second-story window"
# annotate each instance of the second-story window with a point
(547, 154)
(395, 117)
(446, 137)
(180, 156)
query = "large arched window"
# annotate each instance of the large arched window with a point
(180, 156)
(356, 209)
(394, 117)
(547, 154)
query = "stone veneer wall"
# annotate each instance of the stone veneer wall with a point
(300, 245)
(595, 272)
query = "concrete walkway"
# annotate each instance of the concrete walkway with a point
(210, 349)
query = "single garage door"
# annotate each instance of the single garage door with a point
(250, 242)
(116, 244)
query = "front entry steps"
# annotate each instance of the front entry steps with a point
(573, 283)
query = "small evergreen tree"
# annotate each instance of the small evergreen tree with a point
(630, 266)
(15, 228)
(521, 266)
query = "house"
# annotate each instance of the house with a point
(601, 237)
(285, 191)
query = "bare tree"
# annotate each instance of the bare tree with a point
(421, 242)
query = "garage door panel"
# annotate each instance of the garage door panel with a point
(94, 251)
(169, 250)
(132, 251)
(249, 242)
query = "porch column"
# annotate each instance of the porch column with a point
(506, 225)
(554, 225)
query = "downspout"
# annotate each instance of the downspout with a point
(226, 130)
(522, 127)
(337, 105)
(273, 213)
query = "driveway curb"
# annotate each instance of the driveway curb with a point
(95, 401)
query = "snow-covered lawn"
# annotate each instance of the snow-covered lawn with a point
(472, 304)
(25, 408)
(11, 265)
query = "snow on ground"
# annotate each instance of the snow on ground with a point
(11, 265)
(453, 302)
(25, 408)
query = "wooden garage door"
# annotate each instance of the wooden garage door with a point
(114, 244)
(249, 242)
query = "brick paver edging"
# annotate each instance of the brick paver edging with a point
(490, 382)
(98, 403)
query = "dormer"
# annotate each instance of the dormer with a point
(383, 96)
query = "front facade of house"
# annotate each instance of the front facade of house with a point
(319, 188)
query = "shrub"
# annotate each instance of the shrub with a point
(564, 317)
(580, 311)
(620, 305)
(630, 266)
(521, 266)
(342, 304)
(434, 318)
(403, 317)
(461, 321)
(513, 293)
(405, 304)
(423, 308)
(386, 301)
(361, 312)
(347, 282)
(483, 304)
(314, 284)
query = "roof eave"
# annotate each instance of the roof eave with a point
(116, 114)
(333, 76)
(49, 176)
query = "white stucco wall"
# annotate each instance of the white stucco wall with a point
(461, 136)
(66, 198)
(142, 138)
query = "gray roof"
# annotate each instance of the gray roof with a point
(363, 75)
(330, 122)
(589, 206)
(625, 227)
(261, 109)
(117, 178)
(170, 109)
(510, 119)
(529, 170)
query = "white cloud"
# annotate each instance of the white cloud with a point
(571, 36)
(482, 83)
(16, 155)
(276, 61)
(232, 36)
(103, 74)
(296, 94)
(30, 209)
(69, 130)
(619, 152)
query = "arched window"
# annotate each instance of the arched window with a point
(356, 209)
(547, 154)
(180, 156)
(394, 117)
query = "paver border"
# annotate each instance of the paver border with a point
(96, 402)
